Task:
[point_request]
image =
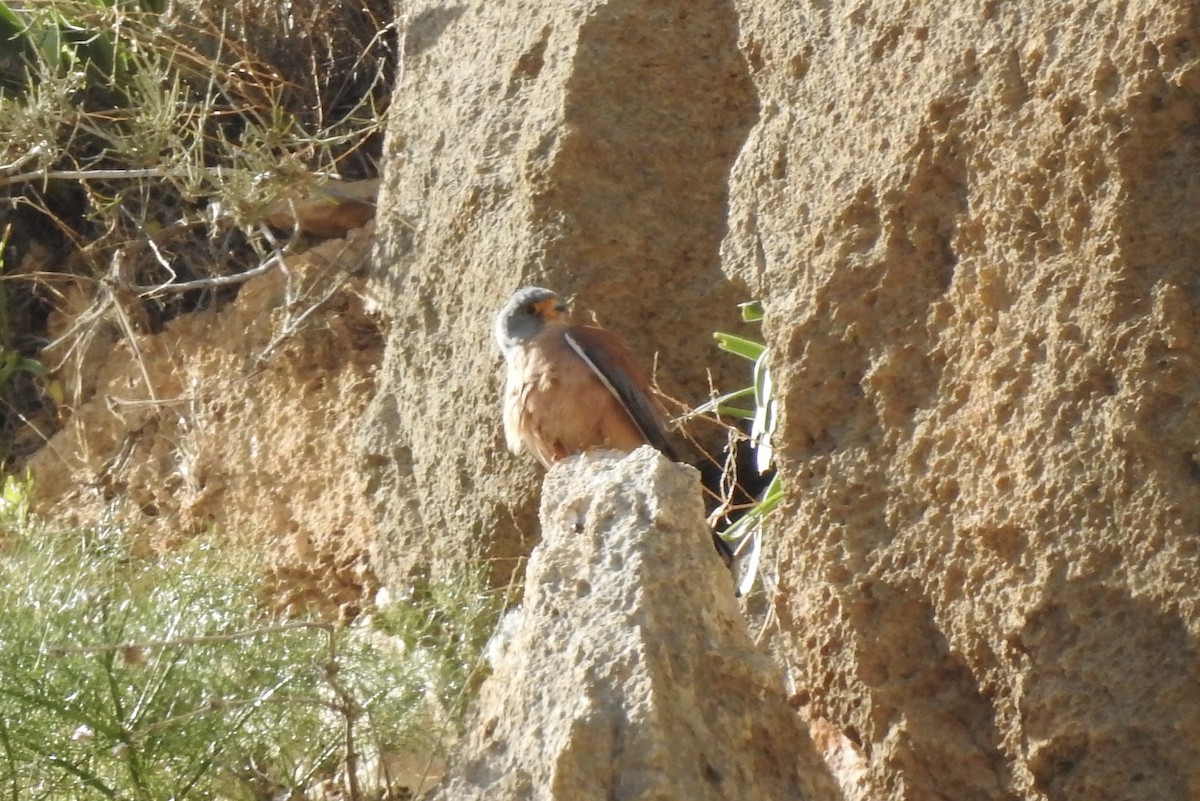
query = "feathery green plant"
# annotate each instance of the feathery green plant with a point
(136, 677)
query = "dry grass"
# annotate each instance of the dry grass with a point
(138, 158)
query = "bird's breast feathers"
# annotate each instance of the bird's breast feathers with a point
(556, 405)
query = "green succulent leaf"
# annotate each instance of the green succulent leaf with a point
(739, 346)
(752, 311)
(723, 405)
(745, 535)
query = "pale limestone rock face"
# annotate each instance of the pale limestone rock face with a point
(975, 230)
(630, 674)
(583, 146)
(974, 227)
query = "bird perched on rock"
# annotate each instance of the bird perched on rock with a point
(573, 388)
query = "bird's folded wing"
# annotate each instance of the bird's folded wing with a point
(613, 364)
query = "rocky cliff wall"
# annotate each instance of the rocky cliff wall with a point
(581, 146)
(975, 231)
(230, 422)
(974, 228)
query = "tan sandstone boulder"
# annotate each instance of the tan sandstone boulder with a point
(629, 673)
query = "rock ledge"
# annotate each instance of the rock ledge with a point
(630, 673)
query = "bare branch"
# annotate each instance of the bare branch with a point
(85, 175)
(206, 283)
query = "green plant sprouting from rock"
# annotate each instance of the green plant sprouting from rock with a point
(746, 532)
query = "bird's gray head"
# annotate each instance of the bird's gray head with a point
(525, 315)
